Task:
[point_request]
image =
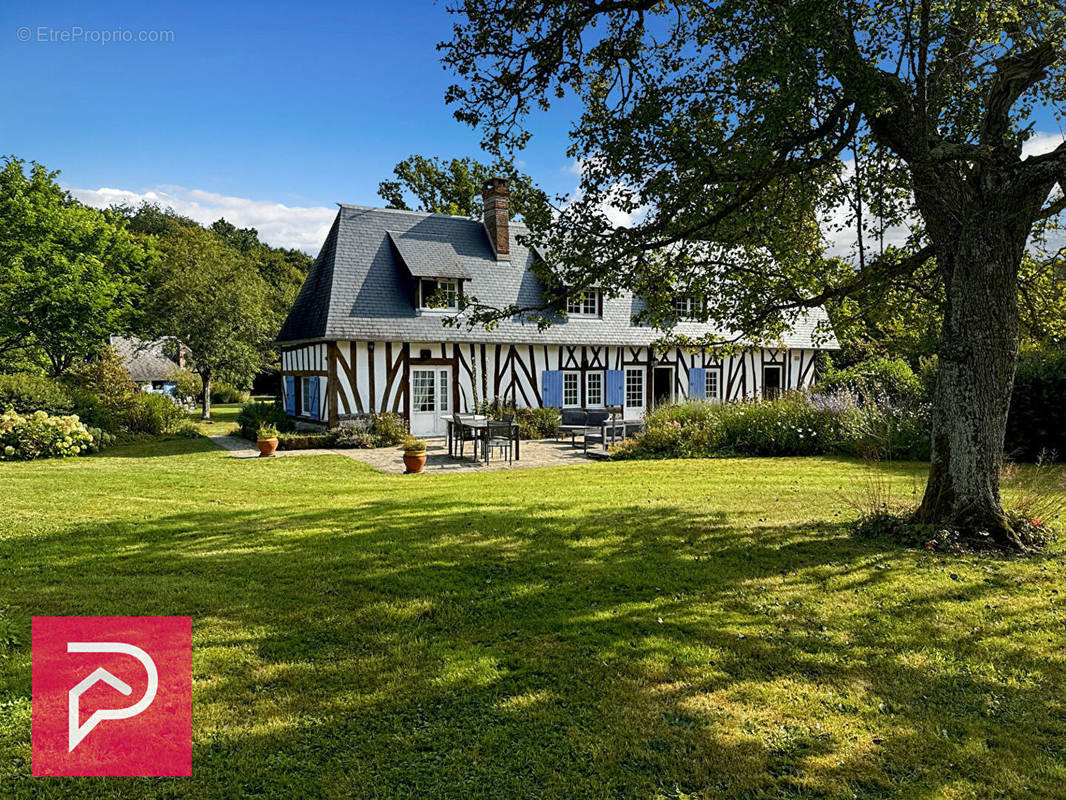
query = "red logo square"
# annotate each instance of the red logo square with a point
(112, 696)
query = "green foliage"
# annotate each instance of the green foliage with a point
(152, 414)
(267, 431)
(211, 298)
(794, 424)
(69, 274)
(190, 385)
(1037, 420)
(876, 378)
(26, 393)
(41, 435)
(412, 444)
(533, 423)
(387, 429)
(222, 392)
(454, 187)
(258, 413)
(306, 440)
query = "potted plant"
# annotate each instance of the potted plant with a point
(267, 439)
(414, 454)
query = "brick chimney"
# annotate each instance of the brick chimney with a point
(496, 195)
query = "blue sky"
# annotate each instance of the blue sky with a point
(282, 105)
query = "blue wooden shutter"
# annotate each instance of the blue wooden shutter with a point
(311, 403)
(289, 396)
(616, 387)
(697, 382)
(551, 388)
(170, 387)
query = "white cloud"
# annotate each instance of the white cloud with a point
(1042, 142)
(299, 227)
(611, 207)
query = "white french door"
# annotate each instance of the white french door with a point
(431, 399)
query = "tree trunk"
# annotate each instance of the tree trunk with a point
(206, 377)
(977, 357)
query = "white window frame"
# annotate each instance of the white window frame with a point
(576, 388)
(447, 286)
(599, 376)
(638, 371)
(710, 379)
(428, 391)
(685, 307)
(305, 393)
(586, 304)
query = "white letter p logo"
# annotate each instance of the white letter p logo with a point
(76, 732)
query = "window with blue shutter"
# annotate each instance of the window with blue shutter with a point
(616, 382)
(697, 382)
(551, 388)
(170, 387)
(289, 395)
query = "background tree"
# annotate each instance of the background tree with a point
(708, 119)
(70, 275)
(454, 187)
(210, 297)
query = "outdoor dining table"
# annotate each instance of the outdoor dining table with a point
(479, 427)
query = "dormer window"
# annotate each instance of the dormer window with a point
(438, 294)
(587, 304)
(687, 307)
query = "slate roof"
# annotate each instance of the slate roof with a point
(359, 288)
(144, 360)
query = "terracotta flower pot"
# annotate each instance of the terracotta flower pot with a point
(267, 447)
(414, 461)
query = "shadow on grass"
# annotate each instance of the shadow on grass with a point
(418, 649)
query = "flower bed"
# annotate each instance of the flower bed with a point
(796, 424)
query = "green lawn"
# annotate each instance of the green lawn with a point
(223, 419)
(656, 629)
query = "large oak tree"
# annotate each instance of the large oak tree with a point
(743, 123)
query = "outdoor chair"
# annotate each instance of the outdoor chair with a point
(498, 437)
(461, 434)
(572, 423)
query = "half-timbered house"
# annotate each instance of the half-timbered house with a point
(367, 331)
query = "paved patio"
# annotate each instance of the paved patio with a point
(542, 453)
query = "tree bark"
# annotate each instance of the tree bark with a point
(977, 357)
(206, 415)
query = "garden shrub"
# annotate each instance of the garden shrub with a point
(1036, 425)
(387, 429)
(876, 379)
(222, 392)
(533, 423)
(25, 393)
(306, 440)
(41, 435)
(795, 424)
(190, 385)
(257, 413)
(153, 414)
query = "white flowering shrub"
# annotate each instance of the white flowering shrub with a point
(40, 435)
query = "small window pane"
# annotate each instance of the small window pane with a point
(594, 389)
(634, 388)
(445, 390)
(424, 391)
(571, 389)
(585, 304)
(712, 384)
